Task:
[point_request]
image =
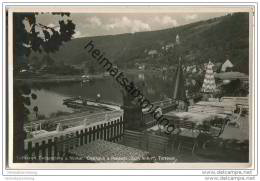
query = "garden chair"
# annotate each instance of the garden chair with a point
(235, 119)
(215, 130)
(188, 137)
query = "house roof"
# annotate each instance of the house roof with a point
(226, 65)
(152, 52)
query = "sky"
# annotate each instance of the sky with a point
(97, 24)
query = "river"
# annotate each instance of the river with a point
(50, 96)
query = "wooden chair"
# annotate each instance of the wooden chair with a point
(217, 127)
(157, 145)
(235, 119)
(188, 136)
(215, 130)
(133, 139)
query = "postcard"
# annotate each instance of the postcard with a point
(130, 87)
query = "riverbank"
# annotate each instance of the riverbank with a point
(51, 78)
(55, 78)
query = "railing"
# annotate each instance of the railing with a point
(54, 146)
(32, 127)
(80, 118)
(103, 116)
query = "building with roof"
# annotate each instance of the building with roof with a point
(226, 65)
(152, 53)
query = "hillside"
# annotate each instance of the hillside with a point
(216, 39)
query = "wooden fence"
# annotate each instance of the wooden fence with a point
(54, 149)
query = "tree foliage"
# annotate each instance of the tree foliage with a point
(38, 38)
(235, 88)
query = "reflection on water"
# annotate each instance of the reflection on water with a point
(48, 102)
(50, 96)
(141, 76)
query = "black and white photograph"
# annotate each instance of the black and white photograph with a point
(118, 84)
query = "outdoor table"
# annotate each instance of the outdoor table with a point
(197, 118)
(202, 121)
(215, 103)
(214, 107)
(101, 151)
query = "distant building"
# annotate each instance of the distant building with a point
(152, 53)
(141, 76)
(205, 66)
(194, 70)
(226, 65)
(164, 69)
(191, 69)
(141, 67)
(177, 39)
(115, 67)
(23, 70)
(188, 68)
(168, 46)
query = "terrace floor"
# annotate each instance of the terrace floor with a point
(231, 146)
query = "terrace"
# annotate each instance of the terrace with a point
(225, 142)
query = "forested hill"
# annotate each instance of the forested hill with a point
(216, 39)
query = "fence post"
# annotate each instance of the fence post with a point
(113, 131)
(98, 132)
(68, 144)
(77, 138)
(115, 135)
(86, 136)
(108, 132)
(89, 136)
(105, 131)
(43, 148)
(101, 132)
(30, 152)
(49, 150)
(61, 144)
(37, 152)
(94, 133)
(81, 138)
(118, 129)
(122, 125)
(55, 157)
